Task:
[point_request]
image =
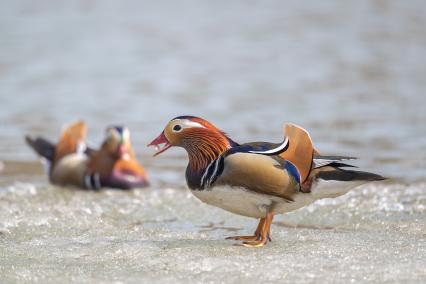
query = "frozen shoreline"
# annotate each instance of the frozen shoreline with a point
(157, 235)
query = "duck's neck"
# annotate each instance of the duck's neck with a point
(202, 150)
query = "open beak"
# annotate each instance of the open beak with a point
(161, 144)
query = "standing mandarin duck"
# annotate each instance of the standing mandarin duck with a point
(258, 179)
(114, 165)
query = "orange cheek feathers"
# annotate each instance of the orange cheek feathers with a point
(130, 166)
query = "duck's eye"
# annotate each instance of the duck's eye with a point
(177, 128)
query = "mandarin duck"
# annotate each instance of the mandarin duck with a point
(70, 162)
(258, 179)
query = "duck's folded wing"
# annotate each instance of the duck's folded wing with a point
(297, 148)
(300, 150)
(259, 173)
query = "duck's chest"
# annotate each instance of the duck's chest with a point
(235, 198)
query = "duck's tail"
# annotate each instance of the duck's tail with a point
(335, 182)
(339, 174)
(332, 168)
(330, 178)
(42, 147)
(71, 141)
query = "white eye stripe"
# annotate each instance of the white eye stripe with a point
(186, 123)
(126, 134)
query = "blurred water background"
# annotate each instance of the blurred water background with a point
(353, 73)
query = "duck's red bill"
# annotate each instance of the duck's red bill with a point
(160, 143)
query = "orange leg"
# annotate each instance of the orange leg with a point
(253, 238)
(264, 233)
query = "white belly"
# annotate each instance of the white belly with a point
(251, 204)
(247, 203)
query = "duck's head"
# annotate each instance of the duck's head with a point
(200, 138)
(121, 170)
(117, 142)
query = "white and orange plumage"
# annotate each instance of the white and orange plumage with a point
(70, 162)
(258, 179)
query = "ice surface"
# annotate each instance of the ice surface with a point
(376, 233)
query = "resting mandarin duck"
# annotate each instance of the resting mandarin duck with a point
(114, 165)
(258, 179)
